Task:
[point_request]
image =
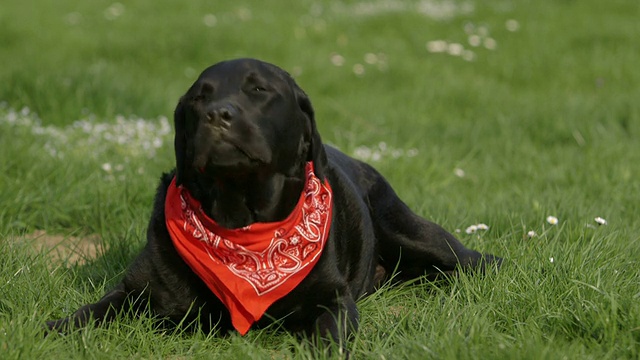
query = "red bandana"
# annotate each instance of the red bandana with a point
(250, 268)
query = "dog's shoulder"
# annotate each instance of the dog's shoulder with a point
(347, 171)
(157, 227)
(158, 251)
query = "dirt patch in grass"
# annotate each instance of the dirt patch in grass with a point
(69, 249)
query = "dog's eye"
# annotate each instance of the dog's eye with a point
(259, 89)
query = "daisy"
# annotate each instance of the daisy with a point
(600, 221)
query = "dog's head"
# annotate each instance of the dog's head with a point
(244, 116)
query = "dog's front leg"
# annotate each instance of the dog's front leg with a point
(336, 323)
(102, 311)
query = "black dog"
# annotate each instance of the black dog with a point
(248, 156)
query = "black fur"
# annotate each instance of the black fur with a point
(244, 132)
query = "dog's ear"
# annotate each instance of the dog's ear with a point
(180, 142)
(315, 151)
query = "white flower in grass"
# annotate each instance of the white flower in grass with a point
(512, 25)
(474, 228)
(483, 226)
(552, 220)
(459, 172)
(455, 49)
(244, 14)
(210, 20)
(437, 46)
(114, 11)
(382, 150)
(412, 152)
(12, 117)
(600, 221)
(370, 58)
(551, 260)
(73, 18)
(362, 153)
(531, 234)
(396, 153)
(337, 59)
(468, 55)
(107, 167)
(474, 40)
(490, 43)
(358, 69)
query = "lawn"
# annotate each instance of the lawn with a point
(504, 113)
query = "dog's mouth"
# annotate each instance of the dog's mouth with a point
(230, 155)
(254, 160)
(261, 156)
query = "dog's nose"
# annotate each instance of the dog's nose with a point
(222, 112)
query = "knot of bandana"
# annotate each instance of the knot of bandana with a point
(250, 268)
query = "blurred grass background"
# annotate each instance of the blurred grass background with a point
(496, 112)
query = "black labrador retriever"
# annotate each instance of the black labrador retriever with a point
(261, 222)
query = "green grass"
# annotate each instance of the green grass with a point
(546, 123)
